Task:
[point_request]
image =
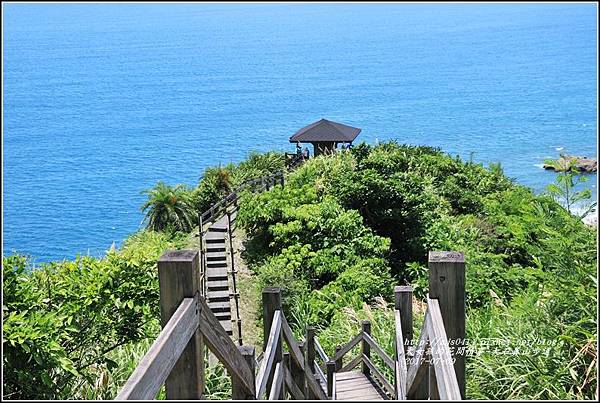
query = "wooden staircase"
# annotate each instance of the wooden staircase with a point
(218, 291)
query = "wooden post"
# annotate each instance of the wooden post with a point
(310, 358)
(330, 371)
(403, 303)
(447, 285)
(238, 392)
(178, 277)
(338, 362)
(365, 348)
(271, 299)
(298, 374)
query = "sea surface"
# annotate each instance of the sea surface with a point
(101, 101)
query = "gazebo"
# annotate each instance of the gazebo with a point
(325, 135)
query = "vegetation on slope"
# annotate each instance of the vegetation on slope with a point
(347, 228)
(342, 232)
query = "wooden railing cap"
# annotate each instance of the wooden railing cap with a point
(184, 255)
(403, 288)
(446, 257)
(272, 290)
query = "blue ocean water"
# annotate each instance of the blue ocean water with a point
(102, 101)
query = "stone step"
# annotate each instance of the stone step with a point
(215, 248)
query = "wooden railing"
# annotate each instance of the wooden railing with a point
(434, 371)
(290, 368)
(282, 372)
(176, 358)
(429, 369)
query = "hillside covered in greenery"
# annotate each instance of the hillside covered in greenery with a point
(342, 232)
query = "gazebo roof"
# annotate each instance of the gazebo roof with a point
(325, 131)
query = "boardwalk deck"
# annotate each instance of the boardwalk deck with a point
(354, 385)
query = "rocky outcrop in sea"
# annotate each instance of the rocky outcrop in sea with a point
(568, 162)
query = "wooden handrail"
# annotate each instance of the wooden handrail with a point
(352, 364)
(418, 368)
(156, 365)
(221, 345)
(296, 354)
(447, 381)
(291, 385)
(320, 351)
(400, 367)
(380, 352)
(209, 214)
(269, 356)
(348, 346)
(277, 382)
(378, 375)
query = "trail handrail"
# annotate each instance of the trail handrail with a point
(269, 356)
(154, 368)
(178, 349)
(361, 358)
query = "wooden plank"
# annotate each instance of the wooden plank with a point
(152, 371)
(418, 368)
(361, 398)
(400, 365)
(178, 278)
(334, 390)
(268, 356)
(238, 392)
(330, 371)
(221, 345)
(319, 373)
(288, 336)
(384, 356)
(296, 393)
(365, 349)
(447, 285)
(351, 375)
(277, 386)
(378, 375)
(347, 347)
(271, 301)
(311, 347)
(320, 351)
(313, 387)
(447, 382)
(352, 364)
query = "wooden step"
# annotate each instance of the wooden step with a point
(215, 257)
(216, 264)
(217, 272)
(217, 229)
(223, 316)
(214, 296)
(217, 285)
(219, 306)
(216, 249)
(214, 241)
(227, 326)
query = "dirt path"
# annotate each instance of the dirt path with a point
(249, 296)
